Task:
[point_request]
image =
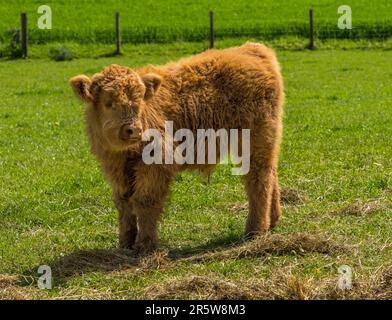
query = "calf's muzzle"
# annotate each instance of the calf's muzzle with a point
(129, 132)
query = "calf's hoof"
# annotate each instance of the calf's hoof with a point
(250, 235)
(126, 245)
(273, 224)
(143, 248)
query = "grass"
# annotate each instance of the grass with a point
(335, 169)
(165, 21)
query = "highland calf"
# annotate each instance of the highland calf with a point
(234, 88)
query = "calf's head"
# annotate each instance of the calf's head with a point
(114, 100)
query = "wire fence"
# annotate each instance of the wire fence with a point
(27, 34)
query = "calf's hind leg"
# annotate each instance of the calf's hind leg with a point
(275, 202)
(261, 181)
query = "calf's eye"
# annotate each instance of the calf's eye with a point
(109, 104)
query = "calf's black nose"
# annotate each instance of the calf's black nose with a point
(128, 132)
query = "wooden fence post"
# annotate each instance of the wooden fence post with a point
(23, 34)
(118, 35)
(212, 35)
(311, 30)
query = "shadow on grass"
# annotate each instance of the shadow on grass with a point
(108, 55)
(228, 247)
(93, 260)
(224, 242)
(81, 262)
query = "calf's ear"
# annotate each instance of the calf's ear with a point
(81, 87)
(152, 83)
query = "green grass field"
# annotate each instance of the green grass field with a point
(56, 209)
(163, 21)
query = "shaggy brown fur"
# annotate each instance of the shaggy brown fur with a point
(237, 88)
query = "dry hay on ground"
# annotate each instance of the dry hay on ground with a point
(292, 196)
(276, 244)
(10, 288)
(280, 285)
(361, 208)
(79, 263)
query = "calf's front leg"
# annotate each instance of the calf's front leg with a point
(152, 186)
(147, 221)
(127, 222)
